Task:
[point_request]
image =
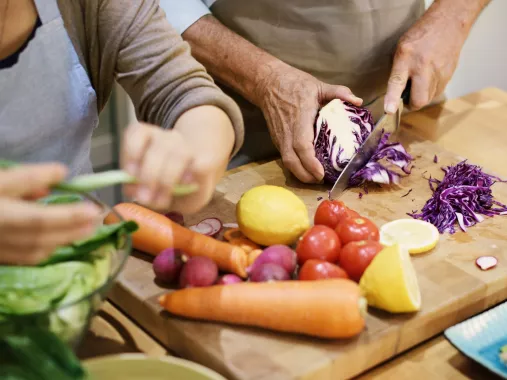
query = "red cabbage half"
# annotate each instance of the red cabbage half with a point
(464, 195)
(340, 129)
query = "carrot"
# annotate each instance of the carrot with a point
(327, 309)
(252, 256)
(245, 244)
(233, 233)
(156, 233)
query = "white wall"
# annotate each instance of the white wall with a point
(484, 57)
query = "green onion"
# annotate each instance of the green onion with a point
(92, 182)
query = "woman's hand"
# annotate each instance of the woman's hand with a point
(196, 151)
(30, 232)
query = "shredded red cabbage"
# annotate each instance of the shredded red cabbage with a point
(374, 171)
(464, 195)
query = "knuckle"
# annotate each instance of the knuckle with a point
(405, 49)
(397, 79)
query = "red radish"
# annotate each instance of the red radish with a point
(229, 279)
(202, 228)
(208, 227)
(216, 225)
(167, 265)
(253, 255)
(198, 271)
(269, 272)
(486, 262)
(176, 217)
(277, 254)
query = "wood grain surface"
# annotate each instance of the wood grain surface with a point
(452, 287)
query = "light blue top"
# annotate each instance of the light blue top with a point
(183, 13)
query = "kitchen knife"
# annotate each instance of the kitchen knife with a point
(386, 124)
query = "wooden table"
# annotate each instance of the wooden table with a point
(113, 332)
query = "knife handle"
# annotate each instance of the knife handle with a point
(405, 95)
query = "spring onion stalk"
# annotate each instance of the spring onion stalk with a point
(91, 182)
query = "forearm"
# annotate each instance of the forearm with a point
(230, 58)
(462, 13)
(210, 132)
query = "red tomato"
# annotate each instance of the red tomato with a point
(357, 255)
(357, 229)
(319, 242)
(330, 213)
(320, 270)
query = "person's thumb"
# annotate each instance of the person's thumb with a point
(25, 180)
(330, 92)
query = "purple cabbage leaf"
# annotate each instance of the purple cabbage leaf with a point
(463, 196)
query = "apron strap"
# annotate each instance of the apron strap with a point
(48, 10)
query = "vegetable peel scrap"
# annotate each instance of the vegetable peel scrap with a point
(463, 196)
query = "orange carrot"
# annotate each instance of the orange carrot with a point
(233, 233)
(328, 308)
(156, 233)
(252, 256)
(245, 244)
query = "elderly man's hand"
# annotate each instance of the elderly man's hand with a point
(290, 101)
(428, 54)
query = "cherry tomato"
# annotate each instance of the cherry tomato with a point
(357, 255)
(357, 229)
(319, 242)
(320, 270)
(330, 213)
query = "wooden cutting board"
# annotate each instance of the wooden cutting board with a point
(452, 287)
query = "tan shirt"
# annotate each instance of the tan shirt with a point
(132, 42)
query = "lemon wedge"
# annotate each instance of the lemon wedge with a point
(270, 215)
(390, 282)
(417, 236)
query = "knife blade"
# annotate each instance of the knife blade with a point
(386, 124)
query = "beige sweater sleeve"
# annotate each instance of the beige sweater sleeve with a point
(154, 65)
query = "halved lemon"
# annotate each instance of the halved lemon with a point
(417, 236)
(390, 282)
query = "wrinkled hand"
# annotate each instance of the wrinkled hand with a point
(30, 232)
(195, 151)
(428, 54)
(290, 102)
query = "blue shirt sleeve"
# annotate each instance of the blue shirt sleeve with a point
(183, 13)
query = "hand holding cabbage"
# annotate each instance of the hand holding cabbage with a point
(291, 100)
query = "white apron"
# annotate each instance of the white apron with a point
(345, 42)
(48, 108)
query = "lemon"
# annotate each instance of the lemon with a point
(390, 282)
(417, 236)
(270, 215)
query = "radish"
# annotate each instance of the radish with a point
(176, 217)
(167, 265)
(208, 227)
(229, 279)
(277, 254)
(486, 262)
(269, 272)
(202, 228)
(197, 272)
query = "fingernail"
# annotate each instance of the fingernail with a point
(359, 100)
(390, 108)
(144, 194)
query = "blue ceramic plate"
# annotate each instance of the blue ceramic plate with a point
(481, 337)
